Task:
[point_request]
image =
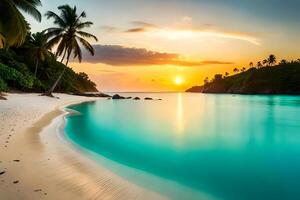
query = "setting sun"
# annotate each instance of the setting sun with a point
(178, 80)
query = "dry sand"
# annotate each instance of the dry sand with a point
(38, 164)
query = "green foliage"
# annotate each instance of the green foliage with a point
(281, 79)
(17, 68)
(15, 78)
(3, 85)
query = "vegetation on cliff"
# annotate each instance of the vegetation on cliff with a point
(266, 78)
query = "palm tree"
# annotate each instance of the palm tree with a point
(265, 61)
(236, 70)
(13, 26)
(259, 65)
(283, 62)
(39, 47)
(243, 69)
(226, 74)
(271, 60)
(67, 35)
(251, 64)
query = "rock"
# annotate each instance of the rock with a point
(16, 160)
(136, 98)
(15, 182)
(159, 99)
(128, 97)
(93, 94)
(116, 96)
(3, 172)
(148, 98)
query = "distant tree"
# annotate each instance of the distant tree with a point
(38, 46)
(259, 65)
(251, 64)
(272, 60)
(206, 81)
(265, 62)
(283, 62)
(236, 70)
(226, 74)
(13, 26)
(243, 69)
(218, 77)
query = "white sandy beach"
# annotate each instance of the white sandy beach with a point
(39, 165)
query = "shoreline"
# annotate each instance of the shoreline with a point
(39, 165)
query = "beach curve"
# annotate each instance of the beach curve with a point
(38, 165)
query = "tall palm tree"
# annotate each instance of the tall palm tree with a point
(251, 64)
(243, 69)
(271, 59)
(39, 47)
(67, 35)
(13, 26)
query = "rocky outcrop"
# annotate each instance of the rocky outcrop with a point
(117, 96)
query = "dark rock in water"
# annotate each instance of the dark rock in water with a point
(93, 94)
(116, 96)
(128, 97)
(159, 99)
(136, 98)
(3, 172)
(15, 182)
(16, 160)
(148, 98)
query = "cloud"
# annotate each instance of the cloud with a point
(140, 27)
(187, 29)
(116, 55)
(108, 29)
(143, 24)
(136, 30)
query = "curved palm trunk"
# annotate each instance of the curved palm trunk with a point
(36, 67)
(49, 92)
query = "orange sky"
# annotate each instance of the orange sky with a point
(145, 45)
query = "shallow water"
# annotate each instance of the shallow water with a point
(227, 146)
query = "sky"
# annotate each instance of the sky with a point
(171, 45)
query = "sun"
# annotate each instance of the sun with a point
(178, 80)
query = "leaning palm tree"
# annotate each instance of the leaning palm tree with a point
(39, 47)
(271, 60)
(13, 26)
(67, 35)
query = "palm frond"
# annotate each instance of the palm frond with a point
(86, 45)
(87, 35)
(29, 6)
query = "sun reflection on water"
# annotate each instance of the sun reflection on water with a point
(180, 120)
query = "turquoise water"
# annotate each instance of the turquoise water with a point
(228, 146)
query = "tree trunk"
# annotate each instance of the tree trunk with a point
(49, 92)
(36, 67)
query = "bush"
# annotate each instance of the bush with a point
(15, 77)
